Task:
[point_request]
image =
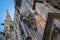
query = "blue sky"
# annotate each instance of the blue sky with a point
(4, 5)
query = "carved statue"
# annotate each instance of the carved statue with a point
(29, 20)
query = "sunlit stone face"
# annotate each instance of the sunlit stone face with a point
(56, 23)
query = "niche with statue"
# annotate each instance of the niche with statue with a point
(52, 29)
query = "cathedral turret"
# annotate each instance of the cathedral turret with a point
(7, 22)
(7, 25)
